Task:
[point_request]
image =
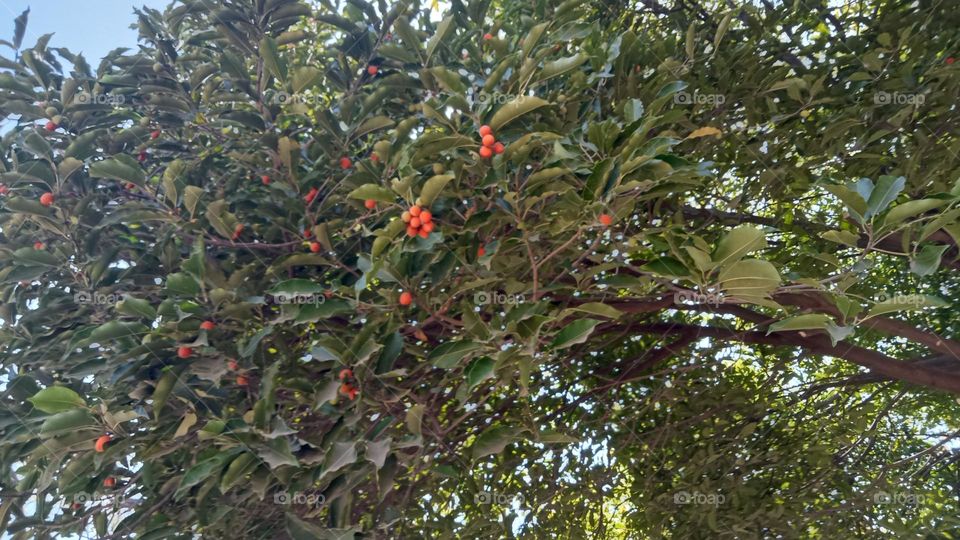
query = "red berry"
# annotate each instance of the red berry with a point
(38, 245)
(242, 380)
(101, 444)
(415, 211)
(427, 227)
(131, 186)
(345, 372)
(498, 148)
(481, 252)
(372, 70)
(606, 220)
(311, 195)
(265, 179)
(51, 126)
(950, 60)
(184, 352)
(424, 233)
(143, 156)
(406, 298)
(46, 199)
(109, 482)
(415, 223)
(315, 247)
(208, 325)
(374, 157)
(370, 204)
(3, 189)
(426, 217)
(489, 140)
(345, 163)
(411, 231)
(488, 36)
(486, 152)
(233, 365)
(485, 130)
(155, 134)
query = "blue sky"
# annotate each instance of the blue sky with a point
(93, 27)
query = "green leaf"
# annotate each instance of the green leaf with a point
(886, 190)
(296, 286)
(910, 209)
(432, 187)
(841, 237)
(514, 109)
(738, 243)
(54, 399)
(120, 167)
(593, 308)
(811, 321)
(339, 456)
(574, 333)
(443, 29)
(449, 354)
(478, 371)
(928, 261)
(906, 302)
(750, 278)
(271, 58)
(36, 257)
(373, 124)
(562, 65)
(241, 466)
(183, 284)
(117, 329)
(67, 421)
(633, 110)
(666, 266)
(375, 192)
(856, 205)
(493, 441)
(199, 472)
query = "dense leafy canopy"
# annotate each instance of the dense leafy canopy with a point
(703, 290)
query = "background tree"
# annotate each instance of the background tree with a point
(575, 270)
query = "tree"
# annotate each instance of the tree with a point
(605, 270)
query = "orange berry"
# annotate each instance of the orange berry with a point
(208, 325)
(109, 482)
(415, 223)
(242, 380)
(370, 204)
(265, 179)
(426, 216)
(345, 372)
(406, 216)
(101, 444)
(606, 220)
(46, 199)
(489, 140)
(315, 247)
(427, 227)
(485, 152)
(415, 211)
(345, 163)
(485, 130)
(411, 231)
(184, 352)
(499, 148)
(406, 298)
(424, 233)
(372, 70)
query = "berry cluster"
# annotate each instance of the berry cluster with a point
(347, 388)
(418, 221)
(489, 143)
